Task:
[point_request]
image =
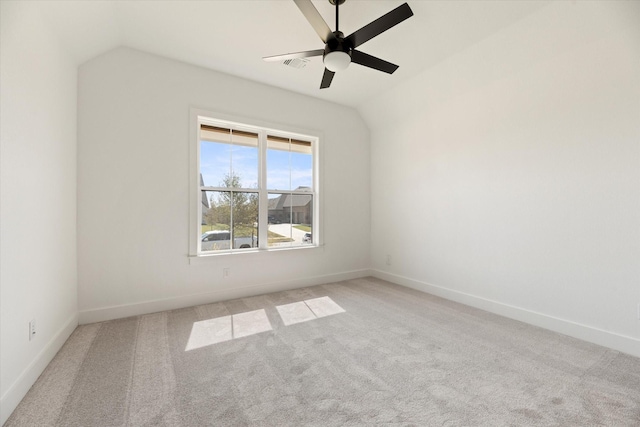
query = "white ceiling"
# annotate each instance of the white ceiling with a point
(232, 36)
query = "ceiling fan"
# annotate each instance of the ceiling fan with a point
(339, 51)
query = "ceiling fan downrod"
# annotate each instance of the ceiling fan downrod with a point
(337, 54)
(337, 3)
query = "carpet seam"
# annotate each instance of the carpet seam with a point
(75, 377)
(127, 412)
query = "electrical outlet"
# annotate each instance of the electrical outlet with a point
(225, 272)
(32, 329)
(388, 259)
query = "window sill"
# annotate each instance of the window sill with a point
(207, 258)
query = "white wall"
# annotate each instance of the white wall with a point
(508, 177)
(133, 187)
(38, 207)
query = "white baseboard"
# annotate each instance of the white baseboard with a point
(28, 377)
(154, 306)
(612, 340)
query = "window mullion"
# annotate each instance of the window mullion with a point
(263, 202)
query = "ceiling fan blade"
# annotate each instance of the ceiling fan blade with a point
(305, 54)
(372, 62)
(380, 25)
(326, 79)
(315, 19)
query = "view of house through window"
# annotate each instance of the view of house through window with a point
(242, 170)
(289, 181)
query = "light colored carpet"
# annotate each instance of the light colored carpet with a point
(351, 353)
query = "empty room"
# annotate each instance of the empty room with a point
(319, 212)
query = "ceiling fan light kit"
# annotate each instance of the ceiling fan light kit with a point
(337, 60)
(337, 55)
(340, 51)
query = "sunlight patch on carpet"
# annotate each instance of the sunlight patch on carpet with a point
(303, 311)
(225, 328)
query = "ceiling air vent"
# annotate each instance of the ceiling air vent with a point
(296, 62)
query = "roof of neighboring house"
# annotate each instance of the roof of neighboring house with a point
(289, 200)
(273, 203)
(296, 200)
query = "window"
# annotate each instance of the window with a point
(256, 188)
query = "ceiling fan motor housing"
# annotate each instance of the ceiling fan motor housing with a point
(338, 44)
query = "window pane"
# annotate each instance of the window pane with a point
(220, 209)
(301, 171)
(244, 159)
(228, 158)
(301, 165)
(215, 221)
(278, 166)
(244, 215)
(215, 163)
(290, 219)
(279, 231)
(289, 164)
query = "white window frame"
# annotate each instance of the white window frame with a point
(262, 128)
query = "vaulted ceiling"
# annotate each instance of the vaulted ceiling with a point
(232, 36)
